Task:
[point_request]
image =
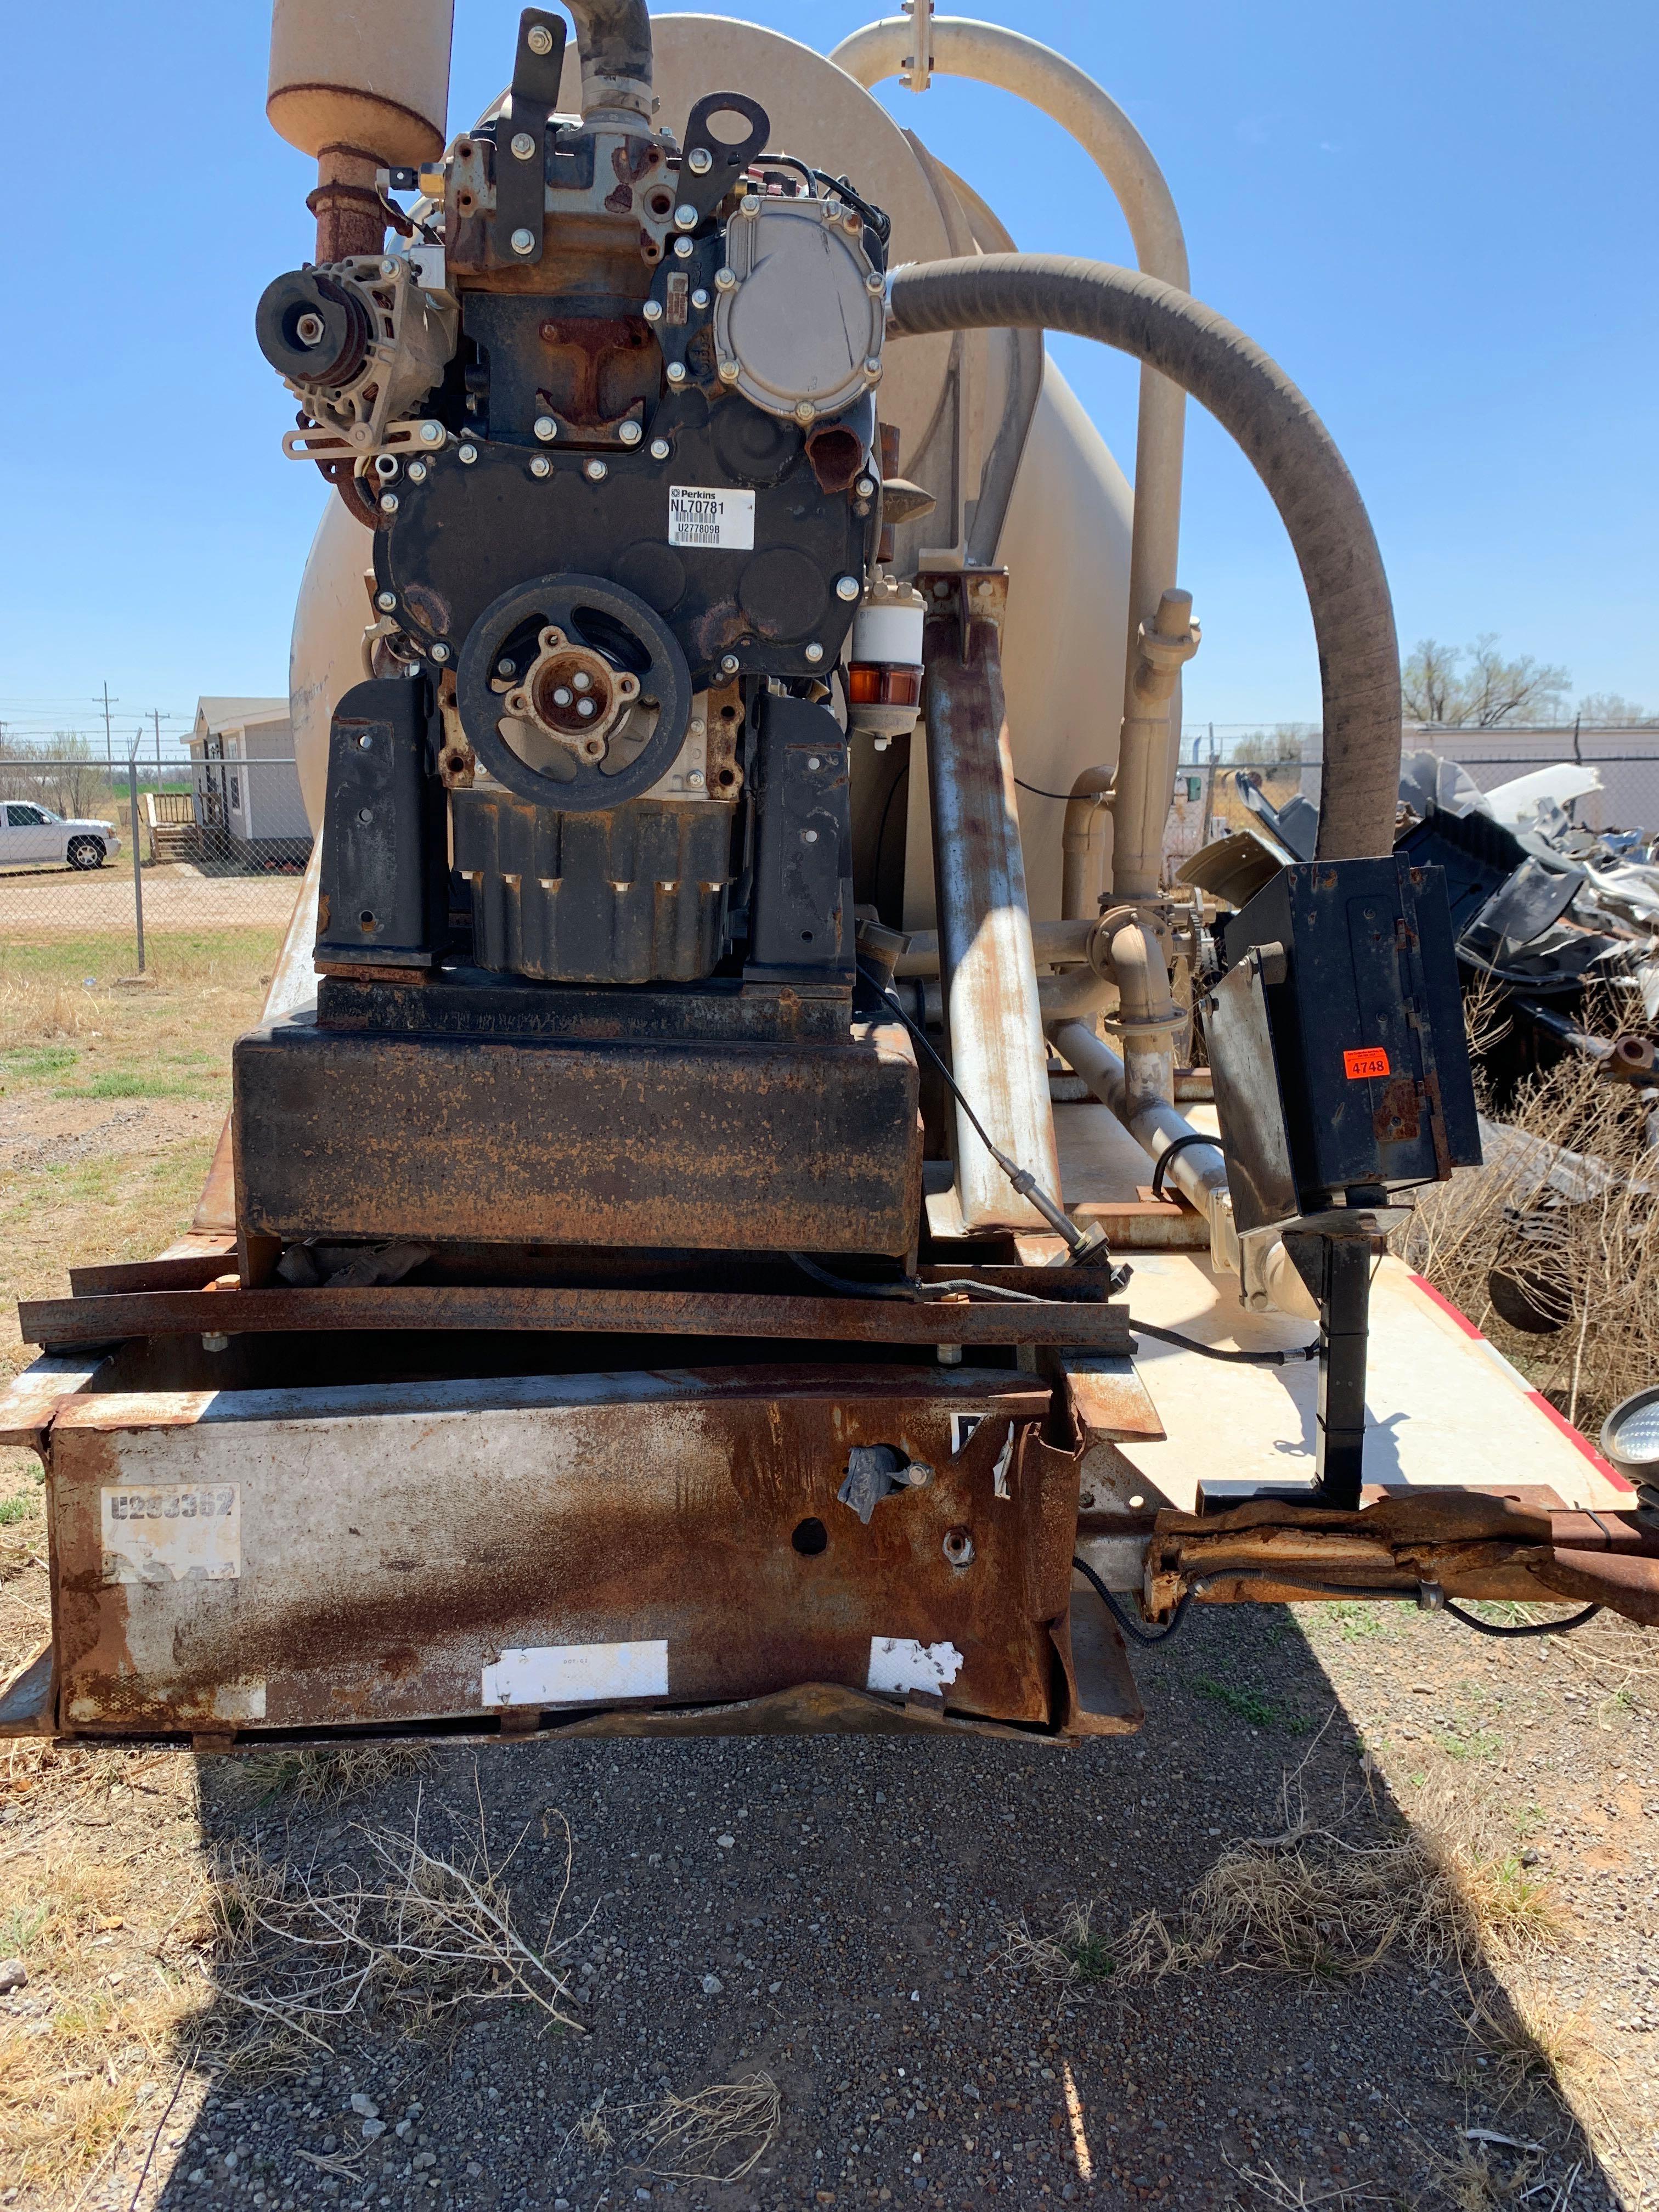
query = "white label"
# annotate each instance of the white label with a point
(576, 1674)
(899, 1662)
(722, 520)
(173, 1532)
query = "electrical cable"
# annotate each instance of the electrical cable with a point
(1526, 1628)
(1288, 1359)
(1178, 1145)
(909, 1287)
(1037, 792)
(1125, 1620)
(1021, 1178)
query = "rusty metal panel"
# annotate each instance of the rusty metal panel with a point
(386, 1556)
(758, 1147)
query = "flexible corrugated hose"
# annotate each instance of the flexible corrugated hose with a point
(1292, 450)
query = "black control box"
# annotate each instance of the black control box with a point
(1337, 1043)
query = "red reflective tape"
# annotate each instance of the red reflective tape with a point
(1446, 1306)
(1369, 1059)
(1583, 1442)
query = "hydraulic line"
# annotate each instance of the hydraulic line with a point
(1292, 450)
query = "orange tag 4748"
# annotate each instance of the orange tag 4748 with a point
(1372, 1059)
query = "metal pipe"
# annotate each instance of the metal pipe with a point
(958, 47)
(1092, 795)
(1197, 1172)
(614, 40)
(992, 1013)
(1051, 941)
(1077, 995)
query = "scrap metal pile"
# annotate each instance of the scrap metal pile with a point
(1548, 914)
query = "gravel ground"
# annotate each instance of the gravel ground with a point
(837, 1911)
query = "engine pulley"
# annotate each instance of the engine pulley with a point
(574, 693)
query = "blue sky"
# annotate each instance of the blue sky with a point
(1439, 217)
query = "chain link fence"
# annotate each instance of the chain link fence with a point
(138, 852)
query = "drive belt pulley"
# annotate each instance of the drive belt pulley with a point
(574, 693)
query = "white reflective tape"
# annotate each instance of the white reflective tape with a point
(576, 1674)
(899, 1662)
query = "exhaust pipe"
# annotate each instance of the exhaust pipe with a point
(614, 40)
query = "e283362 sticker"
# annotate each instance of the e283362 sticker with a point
(160, 1532)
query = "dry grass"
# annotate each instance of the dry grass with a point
(304, 1949)
(1266, 2184)
(1602, 1251)
(1311, 1904)
(717, 2134)
(322, 1776)
(1076, 1959)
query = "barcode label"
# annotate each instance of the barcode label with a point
(722, 520)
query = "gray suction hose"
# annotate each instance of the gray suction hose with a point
(1291, 451)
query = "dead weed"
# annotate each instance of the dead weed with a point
(717, 2134)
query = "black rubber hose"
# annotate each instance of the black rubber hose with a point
(1525, 1628)
(614, 40)
(1292, 452)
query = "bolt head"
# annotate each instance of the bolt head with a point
(700, 297)
(539, 38)
(866, 487)
(545, 428)
(726, 280)
(700, 160)
(750, 203)
(387, 601)
(677, 372)
(388, 503)
(586, 706)
(365, 744)
(561, 694)
(875, 282)
(432, 433)
(809, 836)
(659, 449)
(308, 330)
(805, 411)
(388, 268)
(652, 310)
(873, 366)
(540, 465)
(441, 651)
(524, 241)
(696, 779)
(846, 588)
(507, 668)
(730, 370)
(683, 248)
(728, 664)
(523, 145)
(630, 433)
(686, 217)
(814, 652)
(595, 472)
(469, 453)
(417, 472)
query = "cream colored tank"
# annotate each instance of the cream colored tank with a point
(1066, 537)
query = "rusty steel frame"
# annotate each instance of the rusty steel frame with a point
(356, 1585)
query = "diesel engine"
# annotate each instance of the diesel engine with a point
(609, 407)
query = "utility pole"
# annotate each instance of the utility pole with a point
(109, 742)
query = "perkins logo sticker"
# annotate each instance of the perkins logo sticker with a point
(1371, 1060)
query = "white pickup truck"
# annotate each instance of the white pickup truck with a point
(30, 832)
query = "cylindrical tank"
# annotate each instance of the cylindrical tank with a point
(1066, 537)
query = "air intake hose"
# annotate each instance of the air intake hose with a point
(1292, 450)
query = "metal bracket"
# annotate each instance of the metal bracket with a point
(918, 70)
(521, 177)
(704, 189)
